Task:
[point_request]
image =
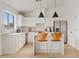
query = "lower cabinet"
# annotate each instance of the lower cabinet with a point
(30, 37)
(12, 43)
(21, 40)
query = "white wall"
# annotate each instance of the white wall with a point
(71, 12)
(47, 12)
(35, 13)
(4, 6)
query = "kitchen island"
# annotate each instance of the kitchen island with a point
(49, 46)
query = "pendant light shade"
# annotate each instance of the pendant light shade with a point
(55, 14)
(41, 15)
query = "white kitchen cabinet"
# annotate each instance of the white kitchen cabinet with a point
(19, 20)
(11, 43)
(31, 37)
(29, 22)
(21, 40)
(23, 37)
(32, 21)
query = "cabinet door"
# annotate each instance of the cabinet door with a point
(23, 39)
(17, 42)
(19, 20)
(29, 21)
(22, 43)
(30, 37)
(20, 40)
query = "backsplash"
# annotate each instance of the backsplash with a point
(36, 29)
(28, 29)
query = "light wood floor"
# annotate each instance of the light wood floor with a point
(27, 52)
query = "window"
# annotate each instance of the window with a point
(8, 20)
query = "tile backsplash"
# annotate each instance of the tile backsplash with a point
(28, 29)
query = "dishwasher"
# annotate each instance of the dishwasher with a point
(26, 38)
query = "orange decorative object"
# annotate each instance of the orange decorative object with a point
(42, 37)
(56, 36)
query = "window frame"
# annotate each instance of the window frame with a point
(8, 19)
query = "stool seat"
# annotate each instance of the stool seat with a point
(42, 37)
(56, 36)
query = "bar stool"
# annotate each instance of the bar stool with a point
(57, 43)
(42, 42)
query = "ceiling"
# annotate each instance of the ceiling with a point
(30, 5)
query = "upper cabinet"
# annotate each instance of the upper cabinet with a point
(31, 21)
(19, 20)
(28, 21)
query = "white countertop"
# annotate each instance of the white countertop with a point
(13, 33)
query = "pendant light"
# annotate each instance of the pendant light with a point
(55, 13)
(41, 13)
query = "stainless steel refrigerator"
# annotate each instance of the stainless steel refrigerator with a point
(61, 26)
